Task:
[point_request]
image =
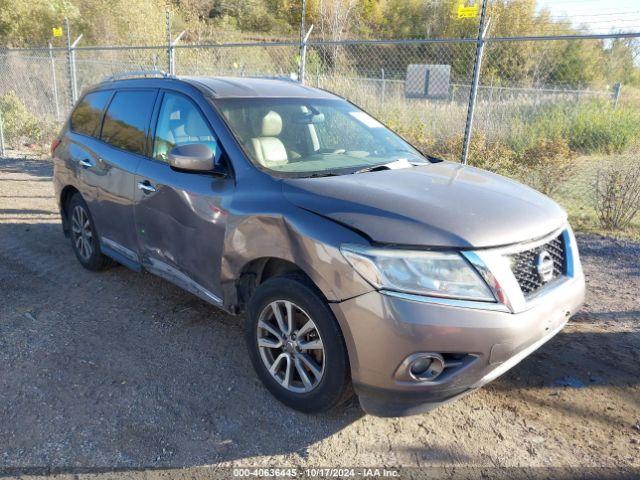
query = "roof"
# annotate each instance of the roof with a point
(256, 87)
(225, 87)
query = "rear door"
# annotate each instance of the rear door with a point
(182, 216)
(84, 145)
(109, 174)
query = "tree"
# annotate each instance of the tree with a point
(29, 22)
(622, 62)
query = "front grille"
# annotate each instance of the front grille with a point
(523, 265)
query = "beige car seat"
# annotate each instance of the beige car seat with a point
(192, 130)
(268, 148)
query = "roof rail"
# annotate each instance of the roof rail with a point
(138, 74)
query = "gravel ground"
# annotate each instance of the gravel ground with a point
(119, 370)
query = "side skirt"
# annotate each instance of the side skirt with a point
(131, 260)
(183, 281)
(120, 254)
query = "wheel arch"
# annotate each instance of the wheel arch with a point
(65, 197)
(260, 247)
(257, 271)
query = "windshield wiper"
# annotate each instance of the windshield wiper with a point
(396, 164)
(321, 174)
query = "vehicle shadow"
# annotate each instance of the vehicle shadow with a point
(580, 359)
(27, 166)
(121, 371)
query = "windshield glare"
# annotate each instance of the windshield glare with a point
(312, 136)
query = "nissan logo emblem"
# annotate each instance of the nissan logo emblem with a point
(544, 266)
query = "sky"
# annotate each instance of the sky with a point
(600, 16)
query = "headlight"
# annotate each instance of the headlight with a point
(440, 274)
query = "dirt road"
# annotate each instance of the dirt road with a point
(123, 370)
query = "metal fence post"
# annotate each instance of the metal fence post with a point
(73, 69)
(71, 60)
(171, 43)
(170, 64)
(2, 152)
(302, 52)
(69, 64)
(384, 84)
(616, 94)
(482, 30)
(55, 82)
(172, 56)
(303, 56)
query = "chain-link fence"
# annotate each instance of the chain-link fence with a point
(93, 65)
(550, 111)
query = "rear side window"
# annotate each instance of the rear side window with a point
(126, 120)
(87, 116)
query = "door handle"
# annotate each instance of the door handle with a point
(86, 163)
(146, 187)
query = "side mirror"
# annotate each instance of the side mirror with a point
(309, 118)
(196, 157)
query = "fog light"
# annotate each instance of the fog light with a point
(427, 367)
(420, 366)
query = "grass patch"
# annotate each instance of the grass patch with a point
(588, 127)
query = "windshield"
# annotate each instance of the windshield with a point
(304, 137)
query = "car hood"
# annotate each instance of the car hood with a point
(437, 205)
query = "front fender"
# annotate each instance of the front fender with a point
(309, 241)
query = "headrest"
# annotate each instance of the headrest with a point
(271, 125)
(194, 126)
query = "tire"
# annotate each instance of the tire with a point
(84, 238)
(322, 393)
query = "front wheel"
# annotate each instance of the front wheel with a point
(296, 346)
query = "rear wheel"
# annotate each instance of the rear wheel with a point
(296, 346)
(84, 239)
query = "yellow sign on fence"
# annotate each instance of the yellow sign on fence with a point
(467, 12)
(57, 31)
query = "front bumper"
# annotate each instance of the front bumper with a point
(381, 330)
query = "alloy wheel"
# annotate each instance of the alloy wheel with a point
(82, 232)
(291, 346)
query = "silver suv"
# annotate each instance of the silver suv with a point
(361, 265)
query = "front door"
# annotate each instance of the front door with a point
(181, 216)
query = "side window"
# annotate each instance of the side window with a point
(87, 116)
(126, 119)
(180, 123)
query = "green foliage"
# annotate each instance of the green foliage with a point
(547, 165)
(587, 126)
(578, 65)
(604, 130)
(621, 64)
(29, 22)
(492, 155)
(19, 126)
(121, 22)
(254, 15)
